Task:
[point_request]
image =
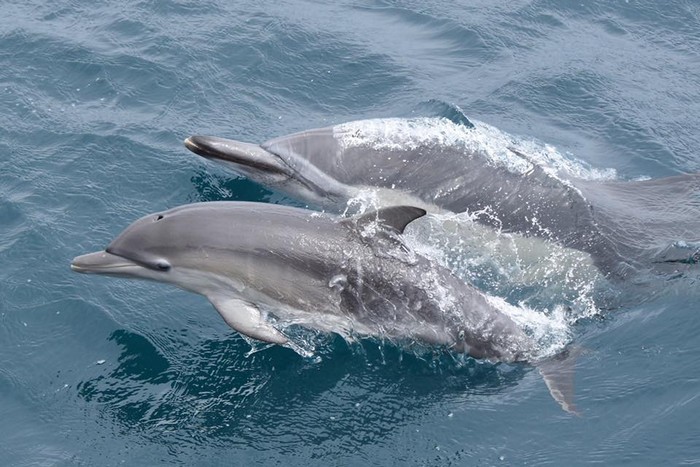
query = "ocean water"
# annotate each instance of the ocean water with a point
(96, 99)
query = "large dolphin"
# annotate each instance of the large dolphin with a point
(351, 276)
(443, 166)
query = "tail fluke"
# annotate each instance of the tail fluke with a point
(558, 374)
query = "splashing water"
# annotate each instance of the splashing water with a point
(550, 329)
(518, 155)
(542, 286)
(519, 268)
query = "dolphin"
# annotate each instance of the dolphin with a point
(438, 165)
(354, 276)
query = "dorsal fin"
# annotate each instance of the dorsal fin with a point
(395, 217)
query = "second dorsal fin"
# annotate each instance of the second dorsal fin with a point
(394, 217)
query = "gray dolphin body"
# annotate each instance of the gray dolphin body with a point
(351, 276)
(443, 166)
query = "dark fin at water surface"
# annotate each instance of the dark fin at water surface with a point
(437, 108)
(395, 217)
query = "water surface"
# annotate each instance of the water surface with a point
(96, 99)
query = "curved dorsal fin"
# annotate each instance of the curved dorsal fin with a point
(394, 217)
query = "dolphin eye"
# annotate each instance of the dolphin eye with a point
(163, 265)
(158, 217)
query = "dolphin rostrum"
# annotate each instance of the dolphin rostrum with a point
(439, 165)
(352, 276)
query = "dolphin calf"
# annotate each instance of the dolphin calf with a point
(351, 276)
(439, 165)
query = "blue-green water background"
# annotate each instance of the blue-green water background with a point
(95, 100)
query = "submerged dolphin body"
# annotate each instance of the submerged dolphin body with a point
(442, 166)
(351, 276)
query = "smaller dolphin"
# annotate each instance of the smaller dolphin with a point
(351, 276)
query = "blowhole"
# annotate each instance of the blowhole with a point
(159, 217)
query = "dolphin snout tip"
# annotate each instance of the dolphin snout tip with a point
(74, 266)
(78, 265)
(204, 146)
(189, 143)
(99, 262)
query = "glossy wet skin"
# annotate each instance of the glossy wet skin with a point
(350, 276)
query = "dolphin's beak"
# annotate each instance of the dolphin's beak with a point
(236, 152)
(101, 262)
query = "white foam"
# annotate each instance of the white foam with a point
(519, 155)
(459, 240)
(364, 201)
(552, 287)
(549, 329)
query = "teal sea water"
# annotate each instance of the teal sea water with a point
(96, 98)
